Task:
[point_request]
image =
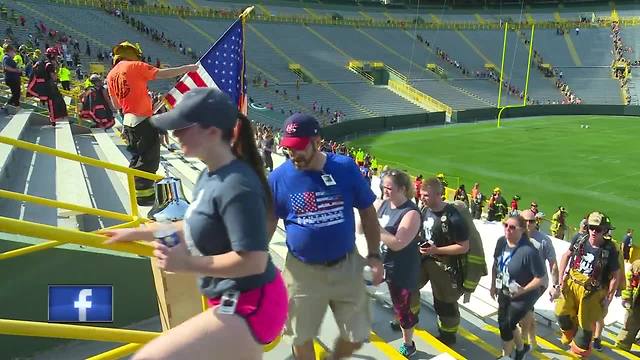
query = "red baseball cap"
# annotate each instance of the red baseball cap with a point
(298, 131)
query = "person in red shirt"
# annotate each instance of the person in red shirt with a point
(127, 83)
(418, 185)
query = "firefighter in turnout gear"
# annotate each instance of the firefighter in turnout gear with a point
(42, 85)
(590, 279)
(558, 223)
(627, 336)
(127, 82)
(443, 245)
(96, 104)
(497, 208)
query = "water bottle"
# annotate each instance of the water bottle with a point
(367, 274)
(514, 287)
(166, 232)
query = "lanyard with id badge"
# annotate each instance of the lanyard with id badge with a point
(502, 278)
(327, 179)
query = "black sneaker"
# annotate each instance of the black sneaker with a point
(597, 344)
(395, 325)
(448, 339)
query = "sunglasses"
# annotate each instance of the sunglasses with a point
(595, 228)
(510, 227)
(531, 221)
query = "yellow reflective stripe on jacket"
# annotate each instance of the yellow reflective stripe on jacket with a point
(145, 192)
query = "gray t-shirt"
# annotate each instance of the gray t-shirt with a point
(545, 248)
(228, 214)
(520, 264)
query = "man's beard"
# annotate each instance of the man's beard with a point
(302, 162)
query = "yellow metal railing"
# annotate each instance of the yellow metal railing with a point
(419, 96)
(56, 236)
(134, 338)
(61, 236)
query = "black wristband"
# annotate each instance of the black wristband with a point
(374, 256)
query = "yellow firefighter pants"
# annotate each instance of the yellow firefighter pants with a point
(627, 335)
(578, 310)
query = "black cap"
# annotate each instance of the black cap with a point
(204, 106)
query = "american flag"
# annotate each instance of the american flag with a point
(319, 208)
(223, 67)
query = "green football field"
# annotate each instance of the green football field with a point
(551, 160)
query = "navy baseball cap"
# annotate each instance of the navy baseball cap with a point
(204, 106)
(298, 131)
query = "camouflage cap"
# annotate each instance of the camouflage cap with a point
(599, 219)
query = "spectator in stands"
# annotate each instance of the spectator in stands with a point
(127, 82)
(266, 148)
(627, 244)
(323, 267)
(11, 76)
(64, 75)
(516, 278)
(228, 245)
(400, 223)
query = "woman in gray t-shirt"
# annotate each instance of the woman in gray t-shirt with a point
(400, 223)
(223, 237)
(516, 279)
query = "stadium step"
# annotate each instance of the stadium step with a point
(11, 127)
(71, 184)
(567, 38)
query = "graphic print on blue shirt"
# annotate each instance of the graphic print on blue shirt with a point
(320, 208)
(318, 218)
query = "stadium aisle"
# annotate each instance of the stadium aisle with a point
(477, 338)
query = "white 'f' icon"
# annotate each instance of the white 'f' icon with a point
(82, 304)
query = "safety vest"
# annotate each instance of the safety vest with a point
(19, 61)
(95, 107)
(598, 277)
(64, 74)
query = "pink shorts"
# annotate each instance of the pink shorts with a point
(264, 309)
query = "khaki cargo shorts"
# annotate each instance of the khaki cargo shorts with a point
(312, 288)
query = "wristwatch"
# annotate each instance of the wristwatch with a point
(374, 256)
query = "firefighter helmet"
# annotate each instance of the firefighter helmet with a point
(50, 52)
(127, 51)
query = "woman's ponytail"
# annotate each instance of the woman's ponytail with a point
(243, 145)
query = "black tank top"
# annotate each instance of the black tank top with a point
(401, 267)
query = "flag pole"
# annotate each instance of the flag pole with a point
(244, 99)
(247, 11)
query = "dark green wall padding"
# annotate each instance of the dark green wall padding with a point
(24, 282)
(354, 128)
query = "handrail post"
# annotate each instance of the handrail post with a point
(132, 196)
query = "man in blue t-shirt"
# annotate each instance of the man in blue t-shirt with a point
(315, 193)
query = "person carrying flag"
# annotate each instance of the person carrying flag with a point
(127, 83)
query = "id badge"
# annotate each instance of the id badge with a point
(499, 281)
(328, 180)
(229, 302)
